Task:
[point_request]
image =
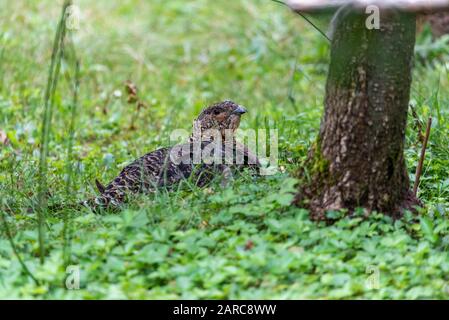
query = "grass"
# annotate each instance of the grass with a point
(244, 241)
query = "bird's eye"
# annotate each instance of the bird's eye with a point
(216, 112)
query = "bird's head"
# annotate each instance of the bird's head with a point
(223, 116)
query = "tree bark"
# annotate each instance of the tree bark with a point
(358, 158)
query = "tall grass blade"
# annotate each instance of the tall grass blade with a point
(53, 74)
(69, 164)
(14, 249)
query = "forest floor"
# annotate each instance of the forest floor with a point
(242, 242)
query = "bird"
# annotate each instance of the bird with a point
(202, 158)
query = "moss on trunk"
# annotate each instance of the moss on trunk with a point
(358, 160)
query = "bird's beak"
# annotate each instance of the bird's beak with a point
(240, 110)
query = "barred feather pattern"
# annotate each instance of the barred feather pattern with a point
(160, 169)
(166, 167)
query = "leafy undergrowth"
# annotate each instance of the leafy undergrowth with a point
(241, 242)
(244, 241)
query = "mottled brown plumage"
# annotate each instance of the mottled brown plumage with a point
(166, 167)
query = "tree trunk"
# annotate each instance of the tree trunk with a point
(358, 158)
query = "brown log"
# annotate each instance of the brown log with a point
(416, 6)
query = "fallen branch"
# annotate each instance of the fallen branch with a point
(423, 155)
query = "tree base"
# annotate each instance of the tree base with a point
(318, 206)
(320, 192)
(358, 159)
